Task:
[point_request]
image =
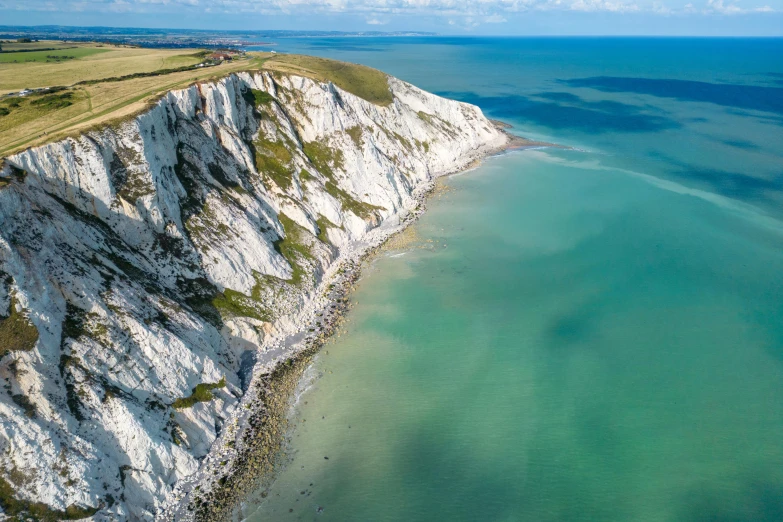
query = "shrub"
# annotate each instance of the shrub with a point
(16, 331)
(201, 393)
(261, 97)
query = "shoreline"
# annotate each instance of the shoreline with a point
(243, 459)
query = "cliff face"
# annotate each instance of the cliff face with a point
(144, 268)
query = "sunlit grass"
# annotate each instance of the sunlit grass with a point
(365, 82)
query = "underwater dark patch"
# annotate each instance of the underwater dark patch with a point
(741, 144)
(705, 504)
(568, 111)
(737, 185)
(753, 97)
(777, 78)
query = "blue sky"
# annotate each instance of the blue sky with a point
(481, 17)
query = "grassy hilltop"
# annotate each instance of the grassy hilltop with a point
(92, 84)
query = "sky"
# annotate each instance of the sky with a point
(453, 17)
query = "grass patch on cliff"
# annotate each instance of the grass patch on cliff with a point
(293, 248)
(201, 393)
(305, 176)
(25, 509)
(16, 331)
(348, 202)
(366, 83)
(425, 117)
(295, 245)
(326, 159)
(261, 97)
(273, 160)
(232, 303)
(324, 225)
(439, 123)
(355, 133)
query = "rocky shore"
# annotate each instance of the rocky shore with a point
(244, 462)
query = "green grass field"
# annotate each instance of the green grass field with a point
(91, 61)
(47, 116)
(365, 82)
(13, 45)
(102, 84)
(50, 56)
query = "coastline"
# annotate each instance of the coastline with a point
(243, 458)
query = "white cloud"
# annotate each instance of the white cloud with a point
(733, 8)
(603, 5)
(660, 8)
(718, 6)
(463, 13)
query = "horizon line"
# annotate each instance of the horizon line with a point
(397, 33)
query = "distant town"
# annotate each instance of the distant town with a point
(175, 38)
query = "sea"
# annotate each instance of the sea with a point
(584, 334)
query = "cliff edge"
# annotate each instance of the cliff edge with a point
(145, 266)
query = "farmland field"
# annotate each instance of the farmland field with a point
(49, 56)
(29, 70)
(101, 85)
(107, 97)
(13, 45)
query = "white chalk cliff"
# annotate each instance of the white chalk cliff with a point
(147, 258)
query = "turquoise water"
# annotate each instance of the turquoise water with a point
(575, 335)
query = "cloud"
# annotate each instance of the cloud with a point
(733, 8)
(462, 13)
(603, 5)
(718, 6)
(660, 8)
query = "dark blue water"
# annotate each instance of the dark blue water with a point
(704, 112)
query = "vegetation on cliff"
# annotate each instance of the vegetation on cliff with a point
(16, 330)
(201, 393)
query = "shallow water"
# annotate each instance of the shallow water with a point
(576, 335)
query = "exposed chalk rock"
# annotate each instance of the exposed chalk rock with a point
(157, 255)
